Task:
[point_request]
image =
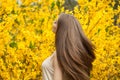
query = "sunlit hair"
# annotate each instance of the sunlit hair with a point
(75, 52)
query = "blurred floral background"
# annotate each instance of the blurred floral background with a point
(26, 37)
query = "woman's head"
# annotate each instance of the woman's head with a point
(75, 52)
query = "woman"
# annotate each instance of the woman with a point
(74, 53)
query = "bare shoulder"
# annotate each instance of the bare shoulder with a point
(55, 61)
(54, 57)
(54, 53)
(57, 70)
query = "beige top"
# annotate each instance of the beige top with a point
(48, 68)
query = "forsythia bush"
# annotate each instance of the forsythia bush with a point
(26, 36)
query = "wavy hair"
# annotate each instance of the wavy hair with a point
(75, 52)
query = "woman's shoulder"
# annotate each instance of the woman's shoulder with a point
(48, 61)
(54, 53)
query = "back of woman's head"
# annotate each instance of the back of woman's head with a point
(75, 52)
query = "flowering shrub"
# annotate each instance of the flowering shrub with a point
(26, 36)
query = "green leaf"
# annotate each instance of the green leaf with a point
(52, 5)
(58, 3)
(16, 21)
(38, 31)
(41, 20)
(99, 30)
(1, 20)
(86, 9)
(13, 44)
(31, 45)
